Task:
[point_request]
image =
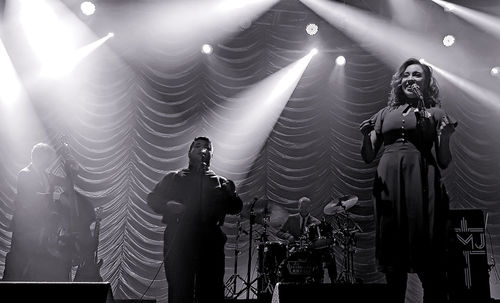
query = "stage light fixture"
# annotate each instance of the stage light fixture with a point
(206, 49)
(495, 71)
(340, 61)
(449, 8)
(314, 51)
(448, 40)
(87, 8)
(312, 29)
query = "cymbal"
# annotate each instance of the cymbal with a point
(340, 204)
(267, 212)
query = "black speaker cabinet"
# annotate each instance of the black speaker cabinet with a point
(56, 292)
(468, 273)
(338, 293)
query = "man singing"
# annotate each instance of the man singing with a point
(194, 202)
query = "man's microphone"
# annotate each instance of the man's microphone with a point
(204, 156)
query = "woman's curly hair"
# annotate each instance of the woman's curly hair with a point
(430, 89)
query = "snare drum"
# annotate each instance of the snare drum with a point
(320, 235)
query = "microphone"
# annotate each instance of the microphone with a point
(204, 153)
(204, 158)
(416, 90)
(420, 104)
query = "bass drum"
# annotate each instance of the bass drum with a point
(302, 266)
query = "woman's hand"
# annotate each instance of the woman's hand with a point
(366, 127)
(370, 143)
(446, 128)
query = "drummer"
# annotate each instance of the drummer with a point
(295, 228)
(296, 225)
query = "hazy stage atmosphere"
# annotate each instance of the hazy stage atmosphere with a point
(279, 87)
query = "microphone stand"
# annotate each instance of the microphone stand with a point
(231, 282)
(203, 168)
(249, 265)
(248, 283)
(421, 103)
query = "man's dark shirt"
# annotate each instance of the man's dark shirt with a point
(205, 200)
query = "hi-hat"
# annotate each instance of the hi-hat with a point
(267, 212)
(339, 205)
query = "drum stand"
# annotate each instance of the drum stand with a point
(230, 284)
(264, 280)
(349, 242)
(264, 285)
(249, 284)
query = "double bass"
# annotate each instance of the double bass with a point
(72, 239)
(62, 229)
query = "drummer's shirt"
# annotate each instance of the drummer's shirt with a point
(303, 221)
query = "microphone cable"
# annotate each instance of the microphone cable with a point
(163, 261)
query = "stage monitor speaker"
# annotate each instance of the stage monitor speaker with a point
(468, 272)
(56, 292)
(322, 293)
(134, 301)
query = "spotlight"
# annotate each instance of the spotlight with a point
(314, 51)
(311, 29)
(111, 35)
(340, 61)
(495, 71)
(206, 49)
(448, 40)
(87, 8)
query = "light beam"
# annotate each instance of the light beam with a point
(481, 94)
(242, 127)
(488, 23)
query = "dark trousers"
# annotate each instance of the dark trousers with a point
(196, 274)
(433, 283)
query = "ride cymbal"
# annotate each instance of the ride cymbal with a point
(267, 212)
(339, 205)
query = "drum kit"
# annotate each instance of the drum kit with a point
(301, 260)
